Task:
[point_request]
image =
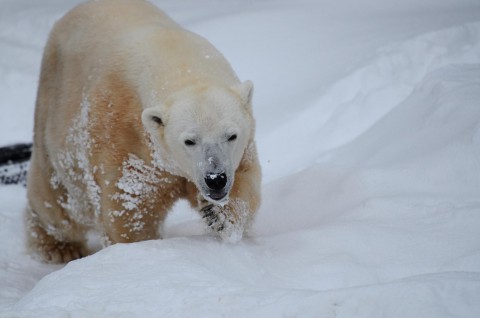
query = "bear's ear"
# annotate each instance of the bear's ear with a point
(152, 118)
(245, 90)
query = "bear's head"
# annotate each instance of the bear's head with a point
(204, 131)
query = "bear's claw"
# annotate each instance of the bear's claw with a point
(214, 217)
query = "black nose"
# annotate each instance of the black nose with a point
(216, 181)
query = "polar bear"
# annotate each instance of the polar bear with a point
(134, 112)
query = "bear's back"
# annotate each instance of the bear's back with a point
(99, 28)
(139, 40)
(115, 16)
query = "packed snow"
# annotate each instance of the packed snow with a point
(368, 129)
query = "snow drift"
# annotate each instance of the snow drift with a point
(371, 201)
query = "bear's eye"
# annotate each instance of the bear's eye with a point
(232, 137)
(189, 142)
(158, 120)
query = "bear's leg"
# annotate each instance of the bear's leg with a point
(125, 222)
(129, 226)
(51, 234)
(232, 220)
(49, 248)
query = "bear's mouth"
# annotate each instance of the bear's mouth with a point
(217, 196)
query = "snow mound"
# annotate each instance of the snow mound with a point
(353, 104)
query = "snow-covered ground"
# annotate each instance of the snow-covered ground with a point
(368, 117)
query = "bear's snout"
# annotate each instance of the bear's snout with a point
(216, 182)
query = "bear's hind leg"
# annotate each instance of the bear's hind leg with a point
(51, 233)
(47, 245)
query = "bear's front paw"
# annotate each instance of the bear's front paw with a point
(214, 217)
(223, 222)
